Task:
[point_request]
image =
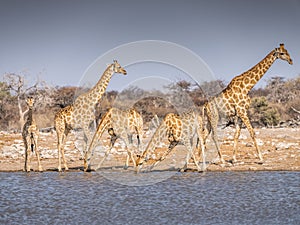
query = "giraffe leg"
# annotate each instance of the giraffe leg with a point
(130, 156)
(28, 154)
(37, 153)
(236, 137)
(62, 150)
(59, 147)
(190, 154)
(87, 153)
(203, 158)
(59, 157)
(246, 121)
(129, 145)
(205, 133)
(215, 139)
(113, 139)
(213, 119)
(171, 146)
(127, 138)
(105, 156)
(64, 159)
(195, 160)
(28, 160)
(202, 146)
(129, 153)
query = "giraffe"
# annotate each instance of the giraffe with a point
(82, 112)
(30, 136)
(178, 129)
(119, 124)
(234, 101)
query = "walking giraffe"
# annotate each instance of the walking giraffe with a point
(178, 129)
(120, 124)
(234, 100)
(82, 113)
(30, 136)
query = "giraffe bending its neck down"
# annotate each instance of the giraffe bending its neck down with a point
(234, 101)
(119, 124)
(178, 129)
(82, 112)
(30, 136)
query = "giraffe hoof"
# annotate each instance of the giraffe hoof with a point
(182, 170)
(233, 161)
(87, 169)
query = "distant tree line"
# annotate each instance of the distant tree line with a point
(276, 103)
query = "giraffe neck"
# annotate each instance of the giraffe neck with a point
(29, 116)
(105, 122)
(157, 137)
(248, 79)
(99, 89)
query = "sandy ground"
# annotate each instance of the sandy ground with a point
(280, 148)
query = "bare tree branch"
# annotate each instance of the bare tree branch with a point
(17, 83)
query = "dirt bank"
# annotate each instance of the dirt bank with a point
(280, 148)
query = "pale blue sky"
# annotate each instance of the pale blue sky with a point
(60, 39)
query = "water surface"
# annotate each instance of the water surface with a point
(184, 198)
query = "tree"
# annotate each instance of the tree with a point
(276, 89)
(5, 106)
(18, 87)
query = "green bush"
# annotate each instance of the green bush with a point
(262, 113)
(270, 117)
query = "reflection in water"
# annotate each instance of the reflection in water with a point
(184, 198)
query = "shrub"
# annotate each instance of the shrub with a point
(262, 113)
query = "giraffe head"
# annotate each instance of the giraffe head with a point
(30, 102)
(282, 53)
(118, 68)
(140, 159)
